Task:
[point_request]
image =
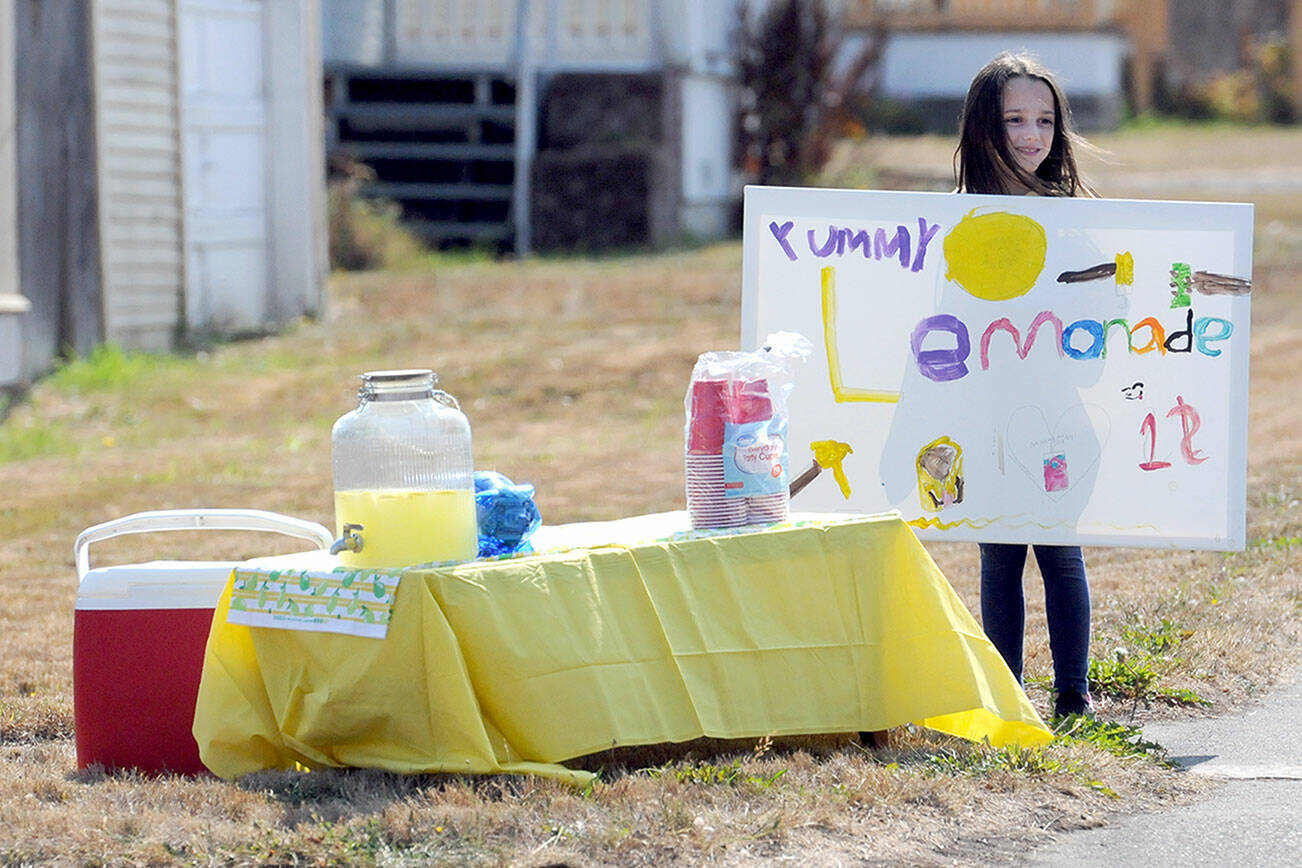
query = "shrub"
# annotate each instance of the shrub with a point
(364, 232)
(1257, 92)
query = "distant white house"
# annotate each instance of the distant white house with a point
(458, 90)
(1089, 66)
(169, 162)
(1109, 55)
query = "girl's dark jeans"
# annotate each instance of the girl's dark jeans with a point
(1067, 608)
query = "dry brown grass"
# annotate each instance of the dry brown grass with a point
(831, 804)
(572, 373)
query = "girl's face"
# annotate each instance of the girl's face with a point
(1029, 120)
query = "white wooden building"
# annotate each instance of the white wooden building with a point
(196, 202)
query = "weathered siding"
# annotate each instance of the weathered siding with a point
(59, 262)
(139, 161)
(13, 307)
(8, 157)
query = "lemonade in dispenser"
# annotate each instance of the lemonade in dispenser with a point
(403, 475)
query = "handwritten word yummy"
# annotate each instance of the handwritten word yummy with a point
(843, 241)
(945, 364)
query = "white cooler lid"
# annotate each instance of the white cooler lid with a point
(155, 585)
(180, 584)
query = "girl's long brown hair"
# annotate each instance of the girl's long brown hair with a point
(983, 162)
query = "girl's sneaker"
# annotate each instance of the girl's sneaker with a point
(1069, 702)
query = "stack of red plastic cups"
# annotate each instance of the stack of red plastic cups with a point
(708, 504)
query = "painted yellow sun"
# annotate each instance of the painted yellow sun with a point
(995, 256)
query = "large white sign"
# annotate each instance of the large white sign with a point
(1013, 369)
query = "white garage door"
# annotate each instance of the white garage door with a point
(224, 163)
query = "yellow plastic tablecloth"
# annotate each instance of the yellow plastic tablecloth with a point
(516, 665)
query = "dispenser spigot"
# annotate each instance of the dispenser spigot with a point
(351, 540)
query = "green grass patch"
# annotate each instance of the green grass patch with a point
(1118, 739)
(1281, 496)
(108, 366)
(730, 774)
(1279, 543)
(1149, 122)
(1161, 638)
(983, 760)
(33, 440)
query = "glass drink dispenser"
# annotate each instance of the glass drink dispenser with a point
(403, 475)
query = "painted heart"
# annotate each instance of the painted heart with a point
(1056, 457)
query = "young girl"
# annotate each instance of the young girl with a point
(1016, 138)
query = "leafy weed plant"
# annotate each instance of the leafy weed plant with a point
(1135, 674)
(1060, 758)
(1135, 679)
(1118, 739)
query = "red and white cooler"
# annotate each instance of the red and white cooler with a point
(139, 637)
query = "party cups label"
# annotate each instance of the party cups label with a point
(755, 457)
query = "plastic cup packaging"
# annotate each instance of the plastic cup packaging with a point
(736, 420)
(714, 404)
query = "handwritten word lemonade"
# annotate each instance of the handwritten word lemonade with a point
(400, 528)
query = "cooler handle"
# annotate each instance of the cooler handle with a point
(197, 519)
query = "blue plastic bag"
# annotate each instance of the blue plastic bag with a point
(506, 512)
